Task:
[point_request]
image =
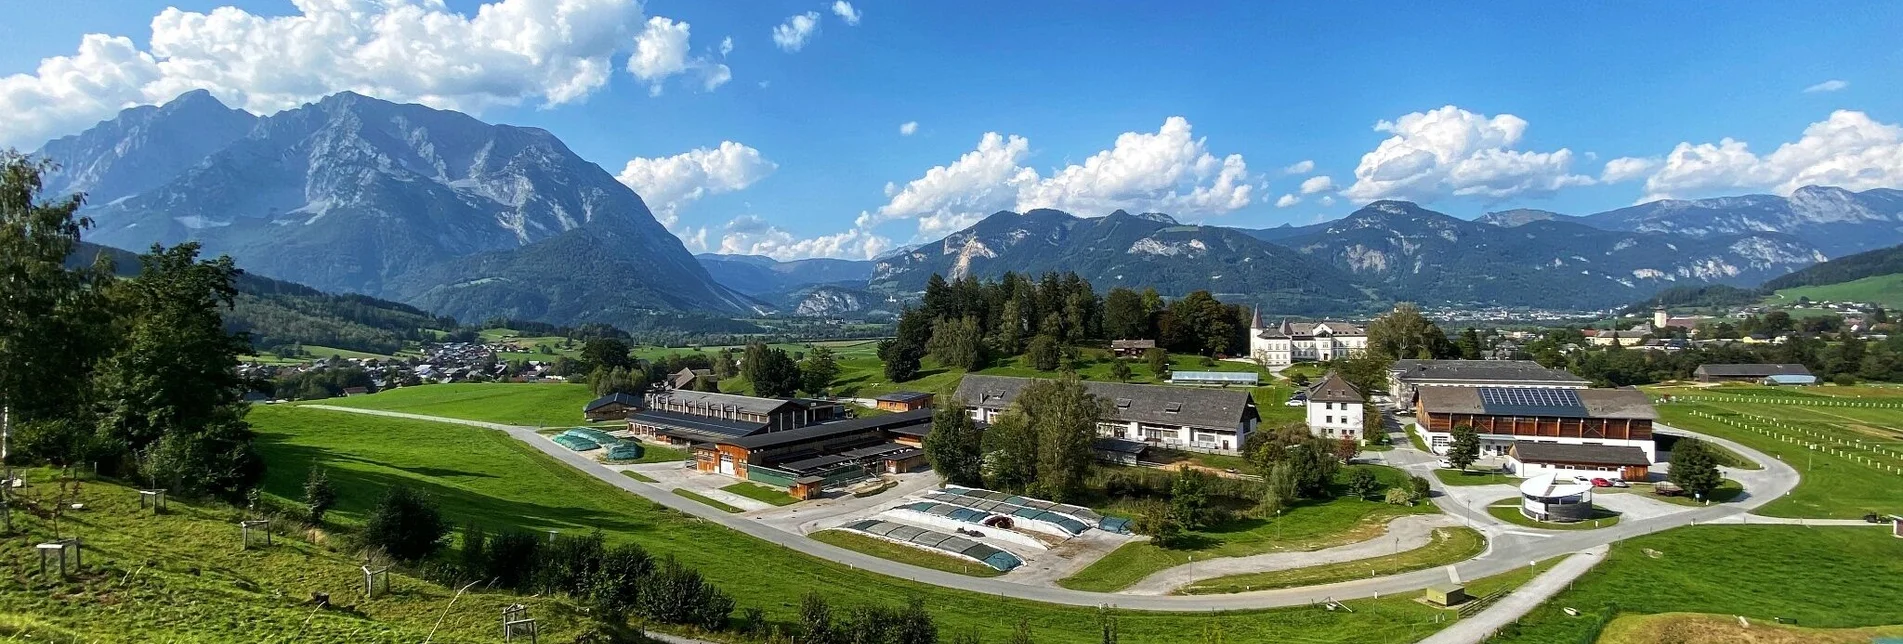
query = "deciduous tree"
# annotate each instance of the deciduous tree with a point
(405, 524)
(955, 447)
(1465, 448)
(1695, 468)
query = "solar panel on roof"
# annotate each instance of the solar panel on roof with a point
(1530, 396)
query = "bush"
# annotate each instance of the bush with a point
(569, 564)
(677, 594)
(511, 560)
(405, 525)
(1844, 380)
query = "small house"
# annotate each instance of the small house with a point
(1131, 348)
(615, 406)
(901, 401)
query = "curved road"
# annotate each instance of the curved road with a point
(1509, 549)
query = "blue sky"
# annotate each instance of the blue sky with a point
(1514, 105)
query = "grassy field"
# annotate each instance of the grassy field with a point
(1449, 545)
(1307, 526)
(182, 577)
(761, 493)
(903, 554)
(1883, 290)
(1839, 481)
(1470, 477)
(1695, 628)
(538, 404)
(1510, 513)
(1727, 490)
(657, 453)
(1846, 577)
(481, 475)
(718, 505)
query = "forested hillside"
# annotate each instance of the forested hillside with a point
(1883, 261)
(277, 313)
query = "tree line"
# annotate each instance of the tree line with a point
(136, 375)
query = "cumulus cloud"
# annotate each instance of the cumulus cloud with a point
(1287, 200)
(1169, 170)
(661, 50)
(508, 52)
(752, 235)
(1627, 168)
(1320, 183)
(846, 12)
(908, 128)
(1304, 166)
(1849, 150)
(791, 36)
(668, 183)
(1831, 85)
(726, 46)
(1453, 152)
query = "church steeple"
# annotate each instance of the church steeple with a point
(1255, 322)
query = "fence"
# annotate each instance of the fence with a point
(1812, 439)
(1754, 400)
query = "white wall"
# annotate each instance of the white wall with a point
(1337, 420)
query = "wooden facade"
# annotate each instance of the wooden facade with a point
(1540, 426)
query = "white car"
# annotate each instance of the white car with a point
(1295, 402)
(1446, 464)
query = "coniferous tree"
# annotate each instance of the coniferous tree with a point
(319, 497)
(1044, 353)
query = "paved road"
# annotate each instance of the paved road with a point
(1521, 601)
(1404, 533)
(1507, 550)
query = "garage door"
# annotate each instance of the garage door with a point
(726, 465)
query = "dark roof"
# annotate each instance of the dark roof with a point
(1144, 343)
(1526, 371)
(1333, 388)
(1592, 403)
(719, 402)
(1159, 404)
(1752, 370)
(884, 422)
(695, 426)
(882, 450)
(1107, 444)
(903, 396)
(1563, 453)
(610, 399)
(812, 464)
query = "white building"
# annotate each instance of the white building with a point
(1506, 417)
(1335, 409)
(1292, 342)
(1190, 418)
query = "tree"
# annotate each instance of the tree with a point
(1189, 497)
(405, 525)
(319, 498)
(677, 594)
(1469, 344)
(620, 381)
(1404, 333)
(816, 621)
(1465, 448)
(1695, 468)
(1313, 464)
(1346, 449)
(606, 353)
(1398, 496)
(1010, 452)
(1280, 491)
(724, 366)
(818, 370)
(1120, 369)
(955, 447)
(772, 372)
(172, 391)
(1064, 416)
(1417, 488)
(616, 588)
(1124, 315)
(1362, 482)
(1159, 363)
(1159, 520)
(901, 359)
(1367, 371)
(957, 343)
(474, 557)
(1044, 353)
(1201, 324)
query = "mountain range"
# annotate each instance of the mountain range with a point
(423, 206)
(441, 211)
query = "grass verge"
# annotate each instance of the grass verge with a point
(697, 497)
(903, 554)
(761, 493)
(1510, 513)
(1449, 545)
(638, 476)
(1469, 477)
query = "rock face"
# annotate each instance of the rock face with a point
(142, 148)
(828, 301)
(1836, 221)
(425, 206)
(1121, 249)
(1414, 253)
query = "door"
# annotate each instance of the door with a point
(726, 465)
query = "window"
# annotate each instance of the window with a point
(1173, 407)
(1328, 405)
(1328, 419)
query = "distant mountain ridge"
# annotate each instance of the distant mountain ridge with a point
(1837, 221)
(1128, 250)
(425, 206)
(759, 275)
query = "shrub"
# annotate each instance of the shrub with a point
(1844, 380)
(405, 525)
(678, 595)
(511, 560)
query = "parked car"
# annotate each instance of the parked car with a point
(1620, 483)
(1601, 483)
(1446, 464)
(1295, 402)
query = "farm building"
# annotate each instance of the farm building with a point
(1506, 416)
(1216, 420)
(1131, 348)
(1214, 378)
(1530, 458)
(1119, 451)
(1788, 374)
(615, 406)
(687, 417)
(1407, 377)
(904, 401)
(684, 379)
(835, 452)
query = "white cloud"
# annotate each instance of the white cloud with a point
(1831, 85)
(908, 128)
(1627, 168)
(1849, 150)
(792, 35)
(1304, 166)
(751, 235)
(1328, 200)
(661, 51)
(668, 183)
(1320, 183)
(1165, 171)
(509, 52)
(845, 12)
(1287, 200)
(726, 46)
(1454, 152)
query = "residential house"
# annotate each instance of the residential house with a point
(1212, 420)
(903, 401)
(615, 406)
(1335, 409)
(1131, 348)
